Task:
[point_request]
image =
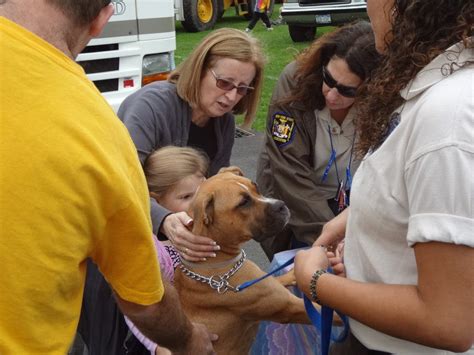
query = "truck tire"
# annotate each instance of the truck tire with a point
(302, 33)
(251, 7)
(199, 15)
(220, 9)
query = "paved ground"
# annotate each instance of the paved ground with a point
(244, 155)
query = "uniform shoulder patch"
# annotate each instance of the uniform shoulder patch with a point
(283, 128)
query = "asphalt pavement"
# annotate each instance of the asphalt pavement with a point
(244, 155)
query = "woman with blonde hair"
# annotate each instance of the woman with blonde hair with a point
(221, 77)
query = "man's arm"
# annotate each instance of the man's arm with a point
(183, 337)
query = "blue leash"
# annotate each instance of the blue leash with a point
(243, 286)
(322, 322)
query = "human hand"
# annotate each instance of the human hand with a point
(333, 231)
(340, 250)
(336, 260)
(306, 263)
(191, 247)
(200, 342)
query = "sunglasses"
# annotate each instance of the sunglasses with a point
(228, 85)
(347, 91)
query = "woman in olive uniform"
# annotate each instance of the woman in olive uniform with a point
(307, 159)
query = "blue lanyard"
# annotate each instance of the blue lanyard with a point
(332, 160)
(348, 183)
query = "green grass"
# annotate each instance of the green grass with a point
(277, 45)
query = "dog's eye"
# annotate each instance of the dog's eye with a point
(245, 201)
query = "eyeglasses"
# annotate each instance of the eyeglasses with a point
(228, 85)
(347, 91)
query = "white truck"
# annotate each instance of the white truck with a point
(305, 16)
(136, 47)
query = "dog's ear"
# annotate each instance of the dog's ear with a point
(208, 210)
(231, 169)
(202, 212)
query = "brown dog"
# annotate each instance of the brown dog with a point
(229, 209)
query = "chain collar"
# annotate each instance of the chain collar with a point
(221, 265)
(219, 283)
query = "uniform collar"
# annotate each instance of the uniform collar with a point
(325, 115)
(439, 68)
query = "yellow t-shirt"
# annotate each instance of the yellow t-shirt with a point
(71, 187)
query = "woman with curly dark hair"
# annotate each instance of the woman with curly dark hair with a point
(409, 236)
(308, 154)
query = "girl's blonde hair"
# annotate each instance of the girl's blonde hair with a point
(167, 165)
(222, 43)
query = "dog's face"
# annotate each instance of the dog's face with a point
(229, 209)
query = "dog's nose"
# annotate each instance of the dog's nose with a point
(279, 207)
(275, 218)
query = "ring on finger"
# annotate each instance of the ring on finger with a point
(186, 250)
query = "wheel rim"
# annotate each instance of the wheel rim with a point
(205, 10)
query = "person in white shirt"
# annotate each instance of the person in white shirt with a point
(409, 233)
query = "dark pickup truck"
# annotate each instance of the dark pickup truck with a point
(305, 16)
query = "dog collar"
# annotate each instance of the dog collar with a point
(222, 264)
(220, 283)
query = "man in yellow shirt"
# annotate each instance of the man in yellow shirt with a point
(71, 187)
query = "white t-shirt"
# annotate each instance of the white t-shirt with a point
(417, 187)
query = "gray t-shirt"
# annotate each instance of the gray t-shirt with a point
(156, 117)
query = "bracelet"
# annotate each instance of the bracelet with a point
(312, 285)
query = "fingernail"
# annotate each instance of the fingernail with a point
(213, 243)
(203, 259)
(217, 247)
(189, 221)
(213, 255)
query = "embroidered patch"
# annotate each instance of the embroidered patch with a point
(282, 128)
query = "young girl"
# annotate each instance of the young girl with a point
(173, 175)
